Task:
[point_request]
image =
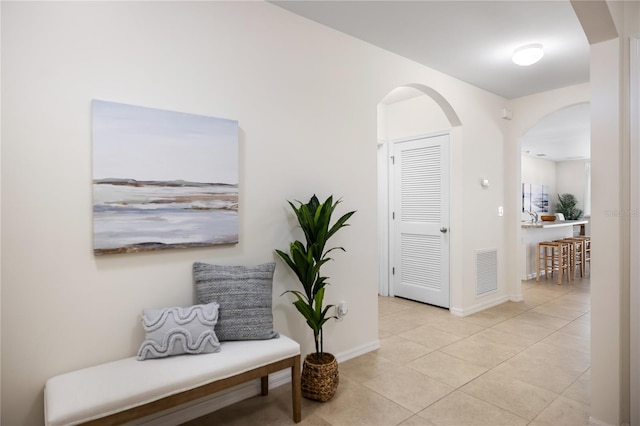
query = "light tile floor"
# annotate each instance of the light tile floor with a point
(524, 363)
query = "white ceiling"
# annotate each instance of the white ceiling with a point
(473, 41)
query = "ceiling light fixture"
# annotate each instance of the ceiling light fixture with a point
(528, 55)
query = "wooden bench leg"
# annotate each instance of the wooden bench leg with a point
(296, 392)
(264, 385)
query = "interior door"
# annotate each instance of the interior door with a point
(420, 216)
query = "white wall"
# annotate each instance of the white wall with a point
(571, 179)
(610, 168)
(607, 249)
(634, 296)
(0, 229)
(306, 100)
(413, 117)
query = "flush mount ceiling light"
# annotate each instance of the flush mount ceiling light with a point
(528, 55)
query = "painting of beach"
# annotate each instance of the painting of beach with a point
(535, 198)
(539, 198)
(162, 179)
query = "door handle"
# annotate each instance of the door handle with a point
(443, 230)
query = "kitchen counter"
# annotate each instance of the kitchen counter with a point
(533, 233)
(553, 224)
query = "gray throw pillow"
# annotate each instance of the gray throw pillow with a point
(244, 296)
(177, 331)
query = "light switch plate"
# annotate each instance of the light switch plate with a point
(500, 211)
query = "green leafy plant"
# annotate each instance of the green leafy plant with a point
(567, 206)
(306, 259)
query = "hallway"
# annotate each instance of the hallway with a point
(524, 363)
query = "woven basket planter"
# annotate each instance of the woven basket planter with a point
(319, 377)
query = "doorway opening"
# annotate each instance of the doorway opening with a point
(415, 126)
(554, 160)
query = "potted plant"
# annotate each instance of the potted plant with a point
(567, 206)
(320, 369)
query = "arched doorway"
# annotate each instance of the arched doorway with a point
(555, 155)
(526, 114)
(409, 113)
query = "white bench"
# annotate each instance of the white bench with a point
(124, 390)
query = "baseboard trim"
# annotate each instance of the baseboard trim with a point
(478, 307)
(517, 298)
(357, 351)
(596, 422)
(209, 404)
(533, 276)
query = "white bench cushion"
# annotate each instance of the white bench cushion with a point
(95, 392)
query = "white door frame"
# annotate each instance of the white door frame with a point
(385, 207)
(634, 109)
(383, 218)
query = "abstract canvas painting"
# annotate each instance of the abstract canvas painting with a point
(526, 197)
(539, 198)
(535, 198)
(162, 179)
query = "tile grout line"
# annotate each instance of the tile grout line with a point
(459, 388)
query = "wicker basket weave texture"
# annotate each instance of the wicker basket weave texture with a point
(319, 379)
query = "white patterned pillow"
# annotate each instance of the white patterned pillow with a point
(177, 331)
(244, 296)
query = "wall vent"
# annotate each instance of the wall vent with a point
(486, 271)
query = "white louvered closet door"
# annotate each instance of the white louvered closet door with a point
(420, 217)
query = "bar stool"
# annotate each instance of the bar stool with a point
(586, 253)
(553, 256)
(577, 255)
